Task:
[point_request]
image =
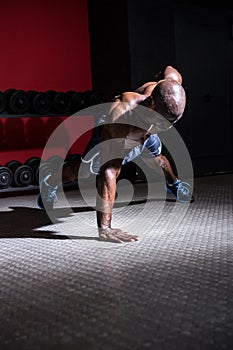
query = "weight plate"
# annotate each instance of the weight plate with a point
(41, 103)
(61, 102)
(6, 177)
(8, 93)
(33, 162)
(74, 156)
(13, 164)
(44, 169)
(19, 102)
(96, 98)
(80, 100)
(23, 176)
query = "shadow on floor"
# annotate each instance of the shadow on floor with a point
(24, 222)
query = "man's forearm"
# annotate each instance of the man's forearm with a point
(105, 200)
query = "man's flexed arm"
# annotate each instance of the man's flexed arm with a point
(111, 154)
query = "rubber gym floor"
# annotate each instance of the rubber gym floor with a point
(62, 288)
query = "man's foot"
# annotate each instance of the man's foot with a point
(115, 235)
(181, 190)
(47, 196)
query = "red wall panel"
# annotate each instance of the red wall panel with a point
(44, 46)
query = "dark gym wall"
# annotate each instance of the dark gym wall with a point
(44, 45)
(129, 42)
(151, 37)
(109, 45)
(194, 36)
(204, 49)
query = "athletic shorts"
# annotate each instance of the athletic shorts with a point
(90, 158)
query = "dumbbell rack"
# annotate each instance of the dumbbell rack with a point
(80, 100)
(22, 190)
(31, 189)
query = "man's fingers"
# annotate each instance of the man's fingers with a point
(110, 238)
(117, 236)
(126, 237)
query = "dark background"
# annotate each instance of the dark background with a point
(134, 39)
(114, 46)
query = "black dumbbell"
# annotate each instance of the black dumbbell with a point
(22, 174)
(92, 97)
(96, 98)
(44, 170)
(8, 93)
(6, 177)
(50, 166)
(40, 102)
(61, 103)
(55, 162)
(17, 101)
(2, 102)
(73, 156)
(79, 101)
(34, 163)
